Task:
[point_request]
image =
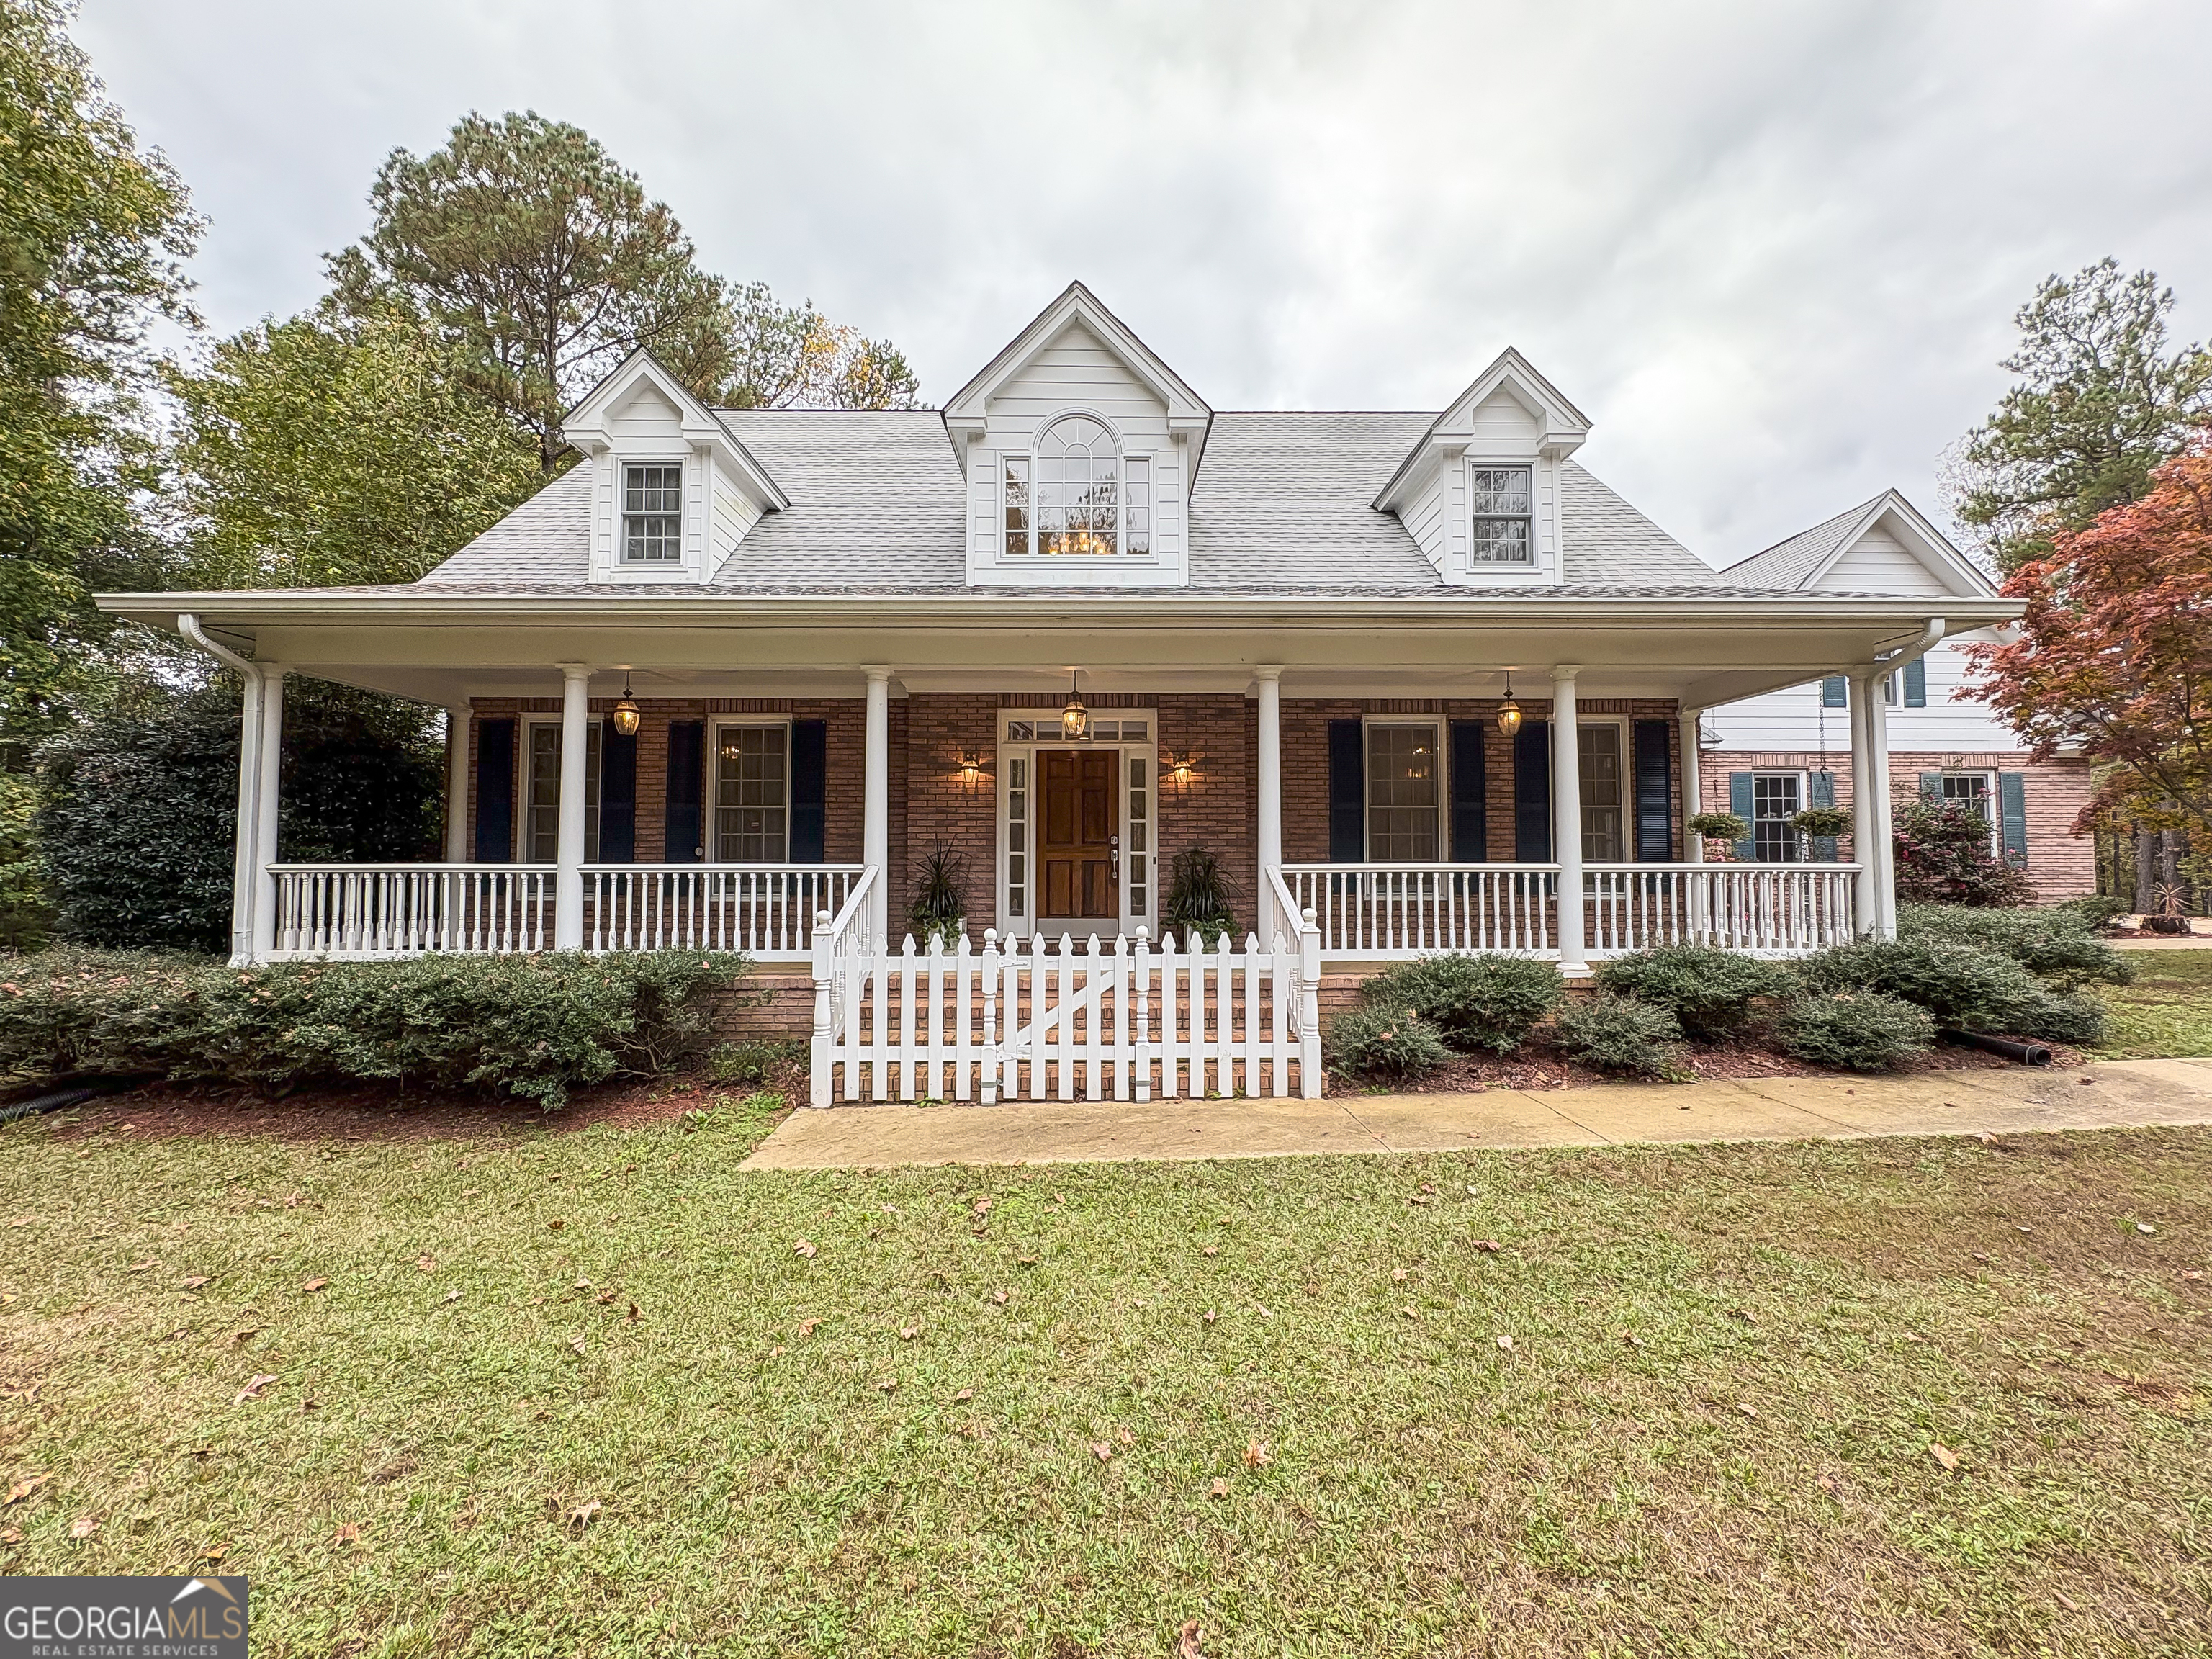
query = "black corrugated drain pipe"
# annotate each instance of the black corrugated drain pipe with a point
(2027, 1054)
(70, 1090)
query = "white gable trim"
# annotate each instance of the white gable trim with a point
(587, 427)
(1891, 511)
(1560, 426)
(1189, 417)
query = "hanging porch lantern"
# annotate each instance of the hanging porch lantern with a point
(626, 713)
(1509, 712)
(1074, 718)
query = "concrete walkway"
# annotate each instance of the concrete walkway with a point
(2117, 1094)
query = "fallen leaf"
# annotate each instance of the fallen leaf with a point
(555, 1226)
(778, 1351)
(1748, 1411)
(2143, 1227)
(1635, 1340)
(310, 1404)
(999, 1296)
(347, 1533)
(582, 1284)
(141, 1266)
(1186, 1641)
(633, 1317)
(580, 1516)
(806, 1325)
(1209, 1316)
(2064, 1600)
(1025, 1262)
(1261, 1311)
(25, 1487)
(1488, 1246)
(1505, 1343)
(1257, 1455)
(887, 1386)
(1943, 1455)
(453, 1295)
(604, 1298)
(314, 1284)
(965, 1393)
(11, 1535)
(1219, 1488)
(252, 1389)
(577, 1344)
(196, 1281)
(1125, 1437)
(803, 1248)
(1399, 1275)
(1827, 1483)
(982, 1206)
(213, 1553)
(427, 1262)
(1101, 1451)
(1409, 1313)
(908, 1332)
(1213, 1250)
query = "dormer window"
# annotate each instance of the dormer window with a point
(1084, 499)
(1497, 499)
(652, 514)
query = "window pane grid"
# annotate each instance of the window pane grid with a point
(751, 795)
(1498, 503)
(1774, 804)
(1402, 793)
(653, 509)
(1602, 792)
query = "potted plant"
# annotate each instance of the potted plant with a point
(939, 910)
(2169, 918)
(1722, 830)
(1200, 897)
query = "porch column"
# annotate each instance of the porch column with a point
(246, 876)
(569, 843)
(456, 784)
(1694, 785)
(1567, 818)
(875, 799)
(1865, 800)
(264, 809)
(1270, 804)
(1884, 846)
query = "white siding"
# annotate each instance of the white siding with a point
(1795, 719)
(1500, 418)
(733, 516)
(649, 415)
(1424, 518)
(1877, 563)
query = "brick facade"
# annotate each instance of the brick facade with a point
(2060, 863)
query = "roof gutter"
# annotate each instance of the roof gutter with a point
(245, 883)
(1930, 637)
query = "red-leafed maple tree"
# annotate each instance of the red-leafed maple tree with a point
(2114, 655)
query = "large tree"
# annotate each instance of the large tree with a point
(546, 263)
(2102, 397)
(2114, 655)
(336, 449)
(93, 234)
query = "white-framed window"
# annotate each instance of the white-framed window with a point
(540, 830)
(1016, 771)
(1077, 495)
(1777, 798)
(752, 792)
(1604, 778)
(1977, 790)
(1136, 855)
(1404, 792)
(1502, 526)
(653, 513)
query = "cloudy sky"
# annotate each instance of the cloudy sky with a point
(1771, 249)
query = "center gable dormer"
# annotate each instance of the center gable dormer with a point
(1480, 492)
(673, 492)
(1079, 446)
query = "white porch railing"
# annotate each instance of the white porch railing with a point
(1040, 1018)
(1396, 912)
(766, 911)
(358, 911)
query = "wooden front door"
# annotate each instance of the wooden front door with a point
(1079, 848)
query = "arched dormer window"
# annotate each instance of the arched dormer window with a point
(1088, 499)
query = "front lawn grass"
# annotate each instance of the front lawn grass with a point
(2167, 1010)
(1060, 1412)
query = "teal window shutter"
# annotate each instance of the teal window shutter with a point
(1832, 692)
(1740, 804)
(1821, 787)
(1916, 683)
(2012, 817)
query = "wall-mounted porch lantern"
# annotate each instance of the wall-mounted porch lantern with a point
(975, 766)
(1509, 712)
(626, 714)
(1074, 718)
(1181, 768)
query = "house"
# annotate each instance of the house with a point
(730, 676)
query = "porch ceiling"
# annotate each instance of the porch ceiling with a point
(443, 648)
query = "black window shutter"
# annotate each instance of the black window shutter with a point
(687, 742)
(1832, 693)
(1916, 683)
(1820, 790)
(617, 796)
(495, 792)
(809, 790)
(1348, 797)
(1654, 786)
(1470, 818)
(1532, 793)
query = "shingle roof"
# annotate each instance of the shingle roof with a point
(1789, 563)
(877, 504)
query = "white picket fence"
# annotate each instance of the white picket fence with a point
(1042, 1018)
(361, 912)
(766, 911)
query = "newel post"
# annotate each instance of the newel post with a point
(820, 1055)
(1310, 1075)
(987, 1085)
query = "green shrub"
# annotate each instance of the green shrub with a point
(1486, 1001)
(1975, 987)
(2059, 944)
(533, 1026)
(1619, 1034)
(1719, 826)
(1708, 990)
(1943, 857)
(2098, 911)
(2071, 1017)
(1853, 1030)
(1374, 1041)
(755, 1062)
